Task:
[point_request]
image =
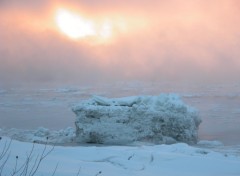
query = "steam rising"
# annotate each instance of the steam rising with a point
(193, 41)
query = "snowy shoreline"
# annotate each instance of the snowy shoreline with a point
(206, 158)
(172, 160)
(66, 138)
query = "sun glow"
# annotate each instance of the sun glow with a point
(77, 27)
(74, 25)
(96, 29)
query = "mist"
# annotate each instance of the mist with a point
(191, 41)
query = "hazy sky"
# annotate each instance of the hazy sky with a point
(164, 40)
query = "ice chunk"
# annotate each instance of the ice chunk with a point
(141, 118)
(206, 143)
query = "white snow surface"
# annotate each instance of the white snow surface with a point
(169, 160)
(157, 119)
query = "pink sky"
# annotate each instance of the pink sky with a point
(168, 40)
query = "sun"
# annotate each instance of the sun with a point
(74, 26)
(93, 29)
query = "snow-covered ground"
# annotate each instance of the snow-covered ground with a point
(142, 160)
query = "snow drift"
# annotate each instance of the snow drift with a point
(156, 119)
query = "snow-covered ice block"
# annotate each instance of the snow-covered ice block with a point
(157, 119)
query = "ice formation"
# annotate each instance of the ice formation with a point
(41, 135)
(156, 119)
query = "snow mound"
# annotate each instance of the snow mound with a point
(157, 119)
(41, 135)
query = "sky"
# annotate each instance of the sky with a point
(139, 40)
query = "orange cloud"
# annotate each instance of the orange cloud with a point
(153, 40)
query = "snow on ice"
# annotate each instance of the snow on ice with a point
(156, 119)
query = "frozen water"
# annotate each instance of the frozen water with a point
(29, 108)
